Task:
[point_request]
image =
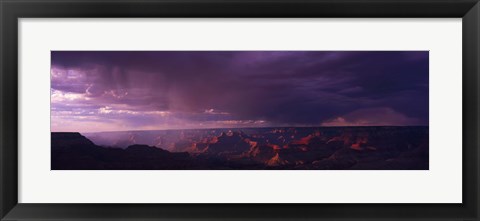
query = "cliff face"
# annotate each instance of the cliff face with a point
(72, 151)
(232, 143)
(66, 139)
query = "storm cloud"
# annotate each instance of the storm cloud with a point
(139, 90)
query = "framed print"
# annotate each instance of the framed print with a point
(287, 110)
(204, 121)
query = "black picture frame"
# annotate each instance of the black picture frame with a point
(11, 10)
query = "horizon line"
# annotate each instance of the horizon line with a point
(213, 128)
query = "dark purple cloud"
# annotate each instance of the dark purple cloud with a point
(127, 90)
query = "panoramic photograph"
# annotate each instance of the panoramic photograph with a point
(239, 110)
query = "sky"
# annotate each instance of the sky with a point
(94, 91)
